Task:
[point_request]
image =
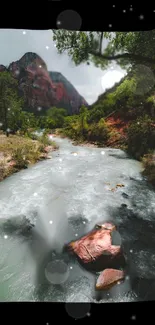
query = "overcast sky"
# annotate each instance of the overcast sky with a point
(88, 80)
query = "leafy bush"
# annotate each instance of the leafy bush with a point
(76, 127)
(2, 170)
(99, 132)
(149, 167)
(20, 158)
(96, 114)
(44, 139)
(141, 137)
(32, 136)
(56, 117)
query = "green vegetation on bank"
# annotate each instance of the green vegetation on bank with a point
(19, 145)
(124, 116)
(18, 151)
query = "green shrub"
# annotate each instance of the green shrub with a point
(44, 139)
(149, 167)
(99, 132)
(19, 155)
(140, 137)
(32, 136)
(2, 170)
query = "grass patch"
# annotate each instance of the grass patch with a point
(17, 152)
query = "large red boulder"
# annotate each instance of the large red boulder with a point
(108, 278)
(95, 250)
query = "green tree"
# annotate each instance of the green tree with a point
(141, 136)
(8, 96)
(123, 47)
(56, 117)
(26, 121)
(83, 120)
(15, 114)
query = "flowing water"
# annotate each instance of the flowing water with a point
(64, 197)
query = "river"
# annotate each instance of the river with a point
(64, 197)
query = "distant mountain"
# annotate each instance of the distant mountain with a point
(42, 89)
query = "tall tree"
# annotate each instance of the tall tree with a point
(57, 115)
(83, 119)
(123, 47)
(8, 97)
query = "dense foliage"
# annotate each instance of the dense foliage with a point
(13, 118)
(126, 48)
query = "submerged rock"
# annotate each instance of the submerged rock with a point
(96, 252)
(19, 225)
(108, 278)
(126, 196)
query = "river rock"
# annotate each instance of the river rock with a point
(19, 225)
(108, 278)
(95, 251)
(126, 196)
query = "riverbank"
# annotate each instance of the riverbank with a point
(18, 152)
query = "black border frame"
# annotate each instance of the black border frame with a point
(44, 16)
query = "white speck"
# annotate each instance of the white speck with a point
(1, 124)
(71, 267)
(51, 222)
(131, 251)
(24, 32)
(118, 282)
(40, 66)
(75, 154)
(110, 25)
(88, 314)
(8, 109)
(39, 108)
(114, 6)
(55, 45)
(8, 130)
(47, 47)
(138, 123)
(58, 22)
(133, 317)
(103, 153)
(84, 222)
(60, 159)
(17, 72)
(5, 237)
(124, 10)
(76, 235)
(131, 9)
(35, 194)
(127, 278)
(141, 17)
